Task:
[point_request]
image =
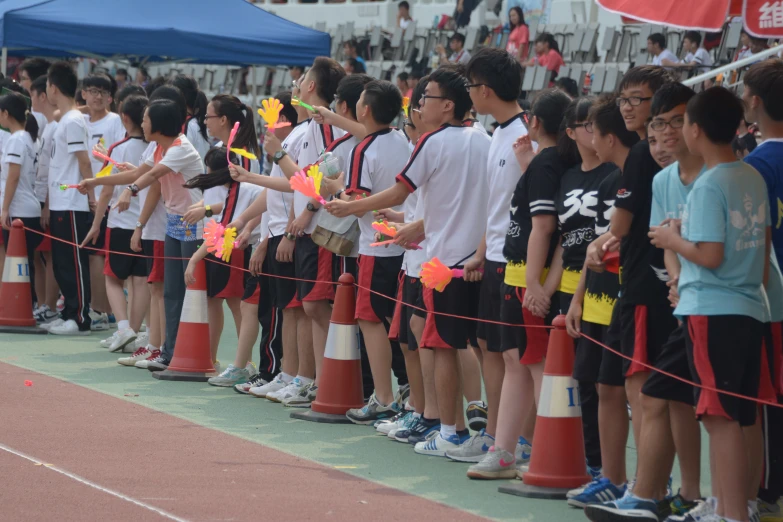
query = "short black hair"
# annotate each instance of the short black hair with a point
(124, 72)
(288, 110)
(568, 85)
(384, 100)
(39, 85)
(651, 75)
(62, 76)
(133, 107)
(35, 67)
(403, 76)
(171, 93)
(418, 92)
(154, 84)
(404, 4)
(452, 87)
(165, 118)
(129, 90)
(350, 90)
(499, 70)
(549, 107)
(99, 81)
(720, 126)
(765, 80)
(669, 96)
(459, 37)
(327, 74)
(658, 38)
(693, 36)
(607, 119)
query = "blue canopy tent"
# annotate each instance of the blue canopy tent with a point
(230, 32)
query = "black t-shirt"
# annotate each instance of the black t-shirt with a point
(642, 274)
(577, 206)
(534, 195)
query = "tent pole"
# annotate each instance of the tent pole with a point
(253, 87)
(4, 61)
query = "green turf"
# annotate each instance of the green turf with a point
(354, 449)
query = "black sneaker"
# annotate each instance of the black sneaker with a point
(477, 415)
(419, 431)
(158, 364)
(403, 392)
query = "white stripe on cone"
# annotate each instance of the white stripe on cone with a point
(342, 342)
(16, 270)
(194, 309)
(559, 397)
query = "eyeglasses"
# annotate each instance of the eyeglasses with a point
(416, 111)
(588, 126)
(96, 92)
(469, 86)
(425, 97)
(678, 122)
(633, 101)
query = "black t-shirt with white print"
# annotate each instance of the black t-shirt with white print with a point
(642, 275)
(534, 195)
(577, 206)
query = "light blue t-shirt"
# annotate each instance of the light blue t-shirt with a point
(669, 194)
(728, 204)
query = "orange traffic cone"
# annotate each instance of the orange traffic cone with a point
(192, 359)
(340, 386)
(16, 302)
(557, 460)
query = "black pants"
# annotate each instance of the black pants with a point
(72, 264)
(772, 479)
(32, 240)
(271, 320)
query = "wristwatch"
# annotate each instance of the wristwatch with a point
(140, 225)
(339, 193)
(289, 236)
(207, 210)
(134, 189)
(280, 154)
(311, 208)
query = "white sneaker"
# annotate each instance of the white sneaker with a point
(69, 327)
(142, 340)
(289, 391)
(245, 387)
(47, 326)
(144, 363)
(385, 426)
(100, 322)
(230, 376)
(123, 338)
(106, 343)
(139, 355)
(438, 446)
(269, 388)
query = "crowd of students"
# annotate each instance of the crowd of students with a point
(530, 213)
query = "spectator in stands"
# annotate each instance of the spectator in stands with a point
(350, 50)
(354, 66)
(404, 15)
(697, 56)
(457, 46)
(121, 77)
(568, 86)
(656, 46)
(744, 51)
(142, 76)
(519, 36)
(402, 83)
(547, 55)
(296, 72)
(30, 70)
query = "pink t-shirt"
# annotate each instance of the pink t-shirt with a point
(519, 36)
(551, 60)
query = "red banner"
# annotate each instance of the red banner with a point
(763, 18)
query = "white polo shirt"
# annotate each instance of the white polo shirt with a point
(44, 159)
(71, 136)
(127, 150)
(278, 204)
(19, 149)
(110, 128)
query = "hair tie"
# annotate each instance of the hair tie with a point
(244, 113)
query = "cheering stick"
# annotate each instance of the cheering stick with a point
(406, 102)
(434, 274)
(66, 187)
(387, 230)
(310, 184)
(296, 101)
(231, 137)
(244, 154)
(104, 157)
(414, 246)
(271, 113)
(220, 240)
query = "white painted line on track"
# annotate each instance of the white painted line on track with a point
(93, 485)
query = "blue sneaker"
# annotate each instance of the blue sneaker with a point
(600, 490)
(626, 509)
(419, 431)
(112, 321)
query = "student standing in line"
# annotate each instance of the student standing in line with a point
(196, 101)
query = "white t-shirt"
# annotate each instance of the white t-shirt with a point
(503, 173)
(193, 132)
(110, 128)
(19, 149)
(237, 198)
(665, 55)
(127, 150)
(41, 120)
(461, 57)
(317, 138)
(413, 259)
(71, 136)
(45, 142)
(155, 227)
(701, 57)
(375, 163)
(215, 195)
(278, 204)
(454, 199)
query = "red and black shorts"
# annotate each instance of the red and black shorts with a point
(490, 300)
(313, 263)
(531, 342)
(344, 265)
(409, 291)
(227, 280)
(645, 329)
(252, 293)
(282, 284)
(441, 328)
(154, 252)
(725, 353)
(121, 266)
(101, 238)
(377, 278)
(594, 363)
(673, 360)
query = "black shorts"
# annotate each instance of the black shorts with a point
(345, 265)
(101, 243)
(490, 299)
(377, 278)
(281, 283)
(724, 352)
(155, 252)
(32, 239)
(459, 298)
(770, 384)
(313, 263)
(594, 363)
(227, 280)
(531, 342)
(121, 266)
(645, 329)
(674, 360)
(409, 292)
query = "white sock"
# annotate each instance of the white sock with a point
(448, 431)
(416, 415)
(753, 505)
(123, 325)
(151, 348)
(286, 377)
(478, 403)
(305, 380)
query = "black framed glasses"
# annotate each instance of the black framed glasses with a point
(678, 122)
(633, 101)
(97, 92)
(206, 117)
(587, 126)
